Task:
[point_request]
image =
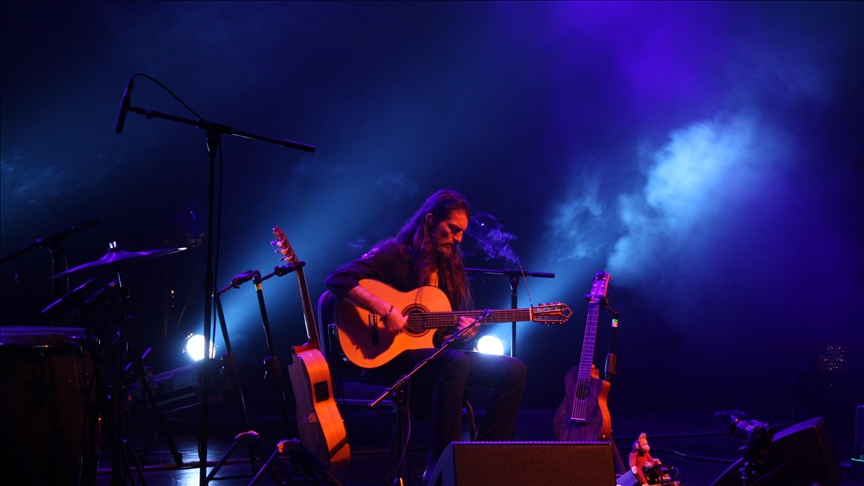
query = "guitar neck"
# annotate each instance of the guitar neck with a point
(308, 314)
(587, 359)
(434, 320)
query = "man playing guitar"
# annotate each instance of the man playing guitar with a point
(426, 252)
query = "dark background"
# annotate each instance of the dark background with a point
(708, 155)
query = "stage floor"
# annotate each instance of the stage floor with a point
(698, 446)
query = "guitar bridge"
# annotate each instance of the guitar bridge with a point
(577, 420)
(373, 327)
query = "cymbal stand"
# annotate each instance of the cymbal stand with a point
(93, 410)
(120, 448)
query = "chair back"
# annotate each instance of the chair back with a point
(327, 316)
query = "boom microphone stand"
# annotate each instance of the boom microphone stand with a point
(54, 244)
(514, 300)
(399, 390)
(214, 133)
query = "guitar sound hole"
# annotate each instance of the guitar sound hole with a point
(415, 323)
(583, 391)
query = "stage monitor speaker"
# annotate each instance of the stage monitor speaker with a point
(808, 453)
(521, 463)
(800, 455)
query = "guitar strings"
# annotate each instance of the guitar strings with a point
(447, 318)
(580, 407)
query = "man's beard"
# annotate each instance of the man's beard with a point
(446, 252)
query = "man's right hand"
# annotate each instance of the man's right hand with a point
(395, 322)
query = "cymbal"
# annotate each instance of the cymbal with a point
(117, 256)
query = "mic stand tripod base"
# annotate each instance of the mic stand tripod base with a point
(400, 389)
(398, 441)
(305, 465)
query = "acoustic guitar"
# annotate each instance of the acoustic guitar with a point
(322, 429)
(583, 415)
(365, 341)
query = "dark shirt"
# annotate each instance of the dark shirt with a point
(386, 264)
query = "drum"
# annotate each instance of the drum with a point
(46, 383)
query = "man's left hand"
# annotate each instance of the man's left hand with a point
(465, 321)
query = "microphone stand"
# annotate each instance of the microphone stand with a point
(53, 244)
(399, 390)
(214, 132)
(514, 283)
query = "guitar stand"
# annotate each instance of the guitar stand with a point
(229, 363)
(305, 468)
(272, 367)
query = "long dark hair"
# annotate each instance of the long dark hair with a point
(415, 242)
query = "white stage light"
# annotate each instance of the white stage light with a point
(490, 345)
(195, 347)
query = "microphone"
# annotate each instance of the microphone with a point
(69, 298)
(124, 106)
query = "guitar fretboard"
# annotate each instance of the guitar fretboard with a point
(434, 320)
(588, 343)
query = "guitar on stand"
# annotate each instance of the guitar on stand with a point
(584, 415)
(322, 429)
(305, 463)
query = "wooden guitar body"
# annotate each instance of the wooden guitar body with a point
(321, 427)
(365, 341)
(595, 423)
(355, 325)
(322, 430)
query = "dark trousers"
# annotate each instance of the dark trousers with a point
(447, 376)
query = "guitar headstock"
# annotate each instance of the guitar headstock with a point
(599, 288)
(284, 246)
(552, 313)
